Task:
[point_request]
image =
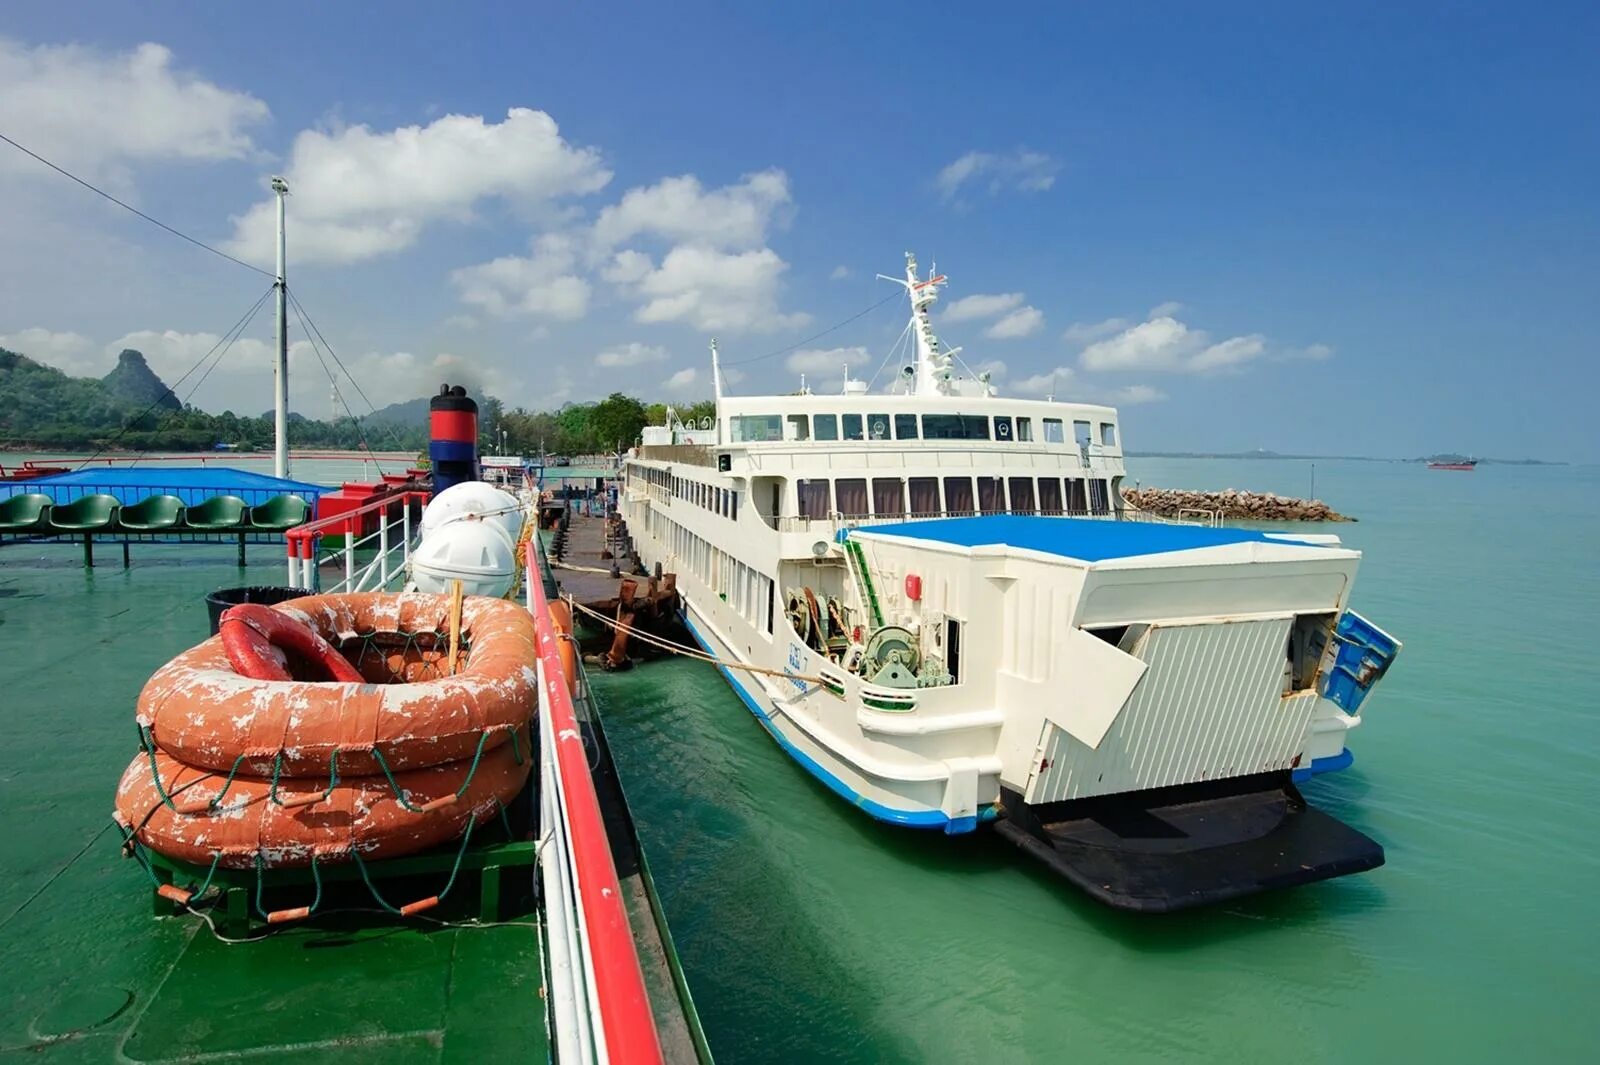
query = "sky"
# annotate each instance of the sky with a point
(1335, 229)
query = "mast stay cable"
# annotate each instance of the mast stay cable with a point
(129, 207)
(317, 334)
(223, 342)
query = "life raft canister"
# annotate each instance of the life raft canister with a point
(202, 712)
(257, 640)
(360, 814)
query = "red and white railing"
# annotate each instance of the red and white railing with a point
(599, 1009)
(391, 541)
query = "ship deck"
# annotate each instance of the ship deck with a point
(93, 976)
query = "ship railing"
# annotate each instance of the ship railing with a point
(599, 1008)
(372, 560)
(834, 521)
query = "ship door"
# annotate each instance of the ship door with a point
(1363, 655)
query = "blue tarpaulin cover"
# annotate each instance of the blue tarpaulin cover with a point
(1080, 538)
(192, 484)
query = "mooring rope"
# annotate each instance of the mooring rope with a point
(700, 656)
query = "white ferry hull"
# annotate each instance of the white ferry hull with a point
(908, 802)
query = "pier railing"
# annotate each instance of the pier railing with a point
(599, 1008)
(389, 545)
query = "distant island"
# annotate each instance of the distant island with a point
(1264, 454)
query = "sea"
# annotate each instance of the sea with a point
(811, 933)
(808, 932)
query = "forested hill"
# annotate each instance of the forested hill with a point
(131, 408)
(43, 409)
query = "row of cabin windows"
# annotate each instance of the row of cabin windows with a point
(742, 587)
(894, 497)
(771, 428)
(724, 501)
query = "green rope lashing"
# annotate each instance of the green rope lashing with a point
(130, 844)
(455, 870)
(277, 767)
(148, 744)
(316, 878)
(399, 793)
(226, 784)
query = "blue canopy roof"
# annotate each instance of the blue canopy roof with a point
(192, 484)
(1080, 538)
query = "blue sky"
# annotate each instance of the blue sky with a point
(1344, 229)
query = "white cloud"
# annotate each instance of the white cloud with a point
(1062, 383)
(981, 306)
(711, 290)
(538, 286)
(71, 353)
(1084, 332)
(825, 360)
(1161, 343)
(461, 321)
(357, 193)
(1165, 310)
(1018, 171)
(1230, 352)
(630, 354)
(1022, 322)
(839, 273)
(627, 267)
(681, 210)
(1051, 381)
(96, 112)
(995, 368)
(1164, 343)
(682, 382)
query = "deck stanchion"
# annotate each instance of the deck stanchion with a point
(383, 549)
(88, 551)
(124, 553)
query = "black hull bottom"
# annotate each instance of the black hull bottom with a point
(1177, 848)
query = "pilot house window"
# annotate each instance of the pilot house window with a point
(905, 426)
(852, 427)
(852, 496)
(814, 498)
(826, 426)
(955, 427)
(958, 496)
(991, 495)
(888, 497)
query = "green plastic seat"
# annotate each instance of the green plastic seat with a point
(217, 514)
(156, 514)
(85, 514)
(280, 513)
(28, 512)
(220, 514)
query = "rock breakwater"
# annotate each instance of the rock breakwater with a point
(1232, 503)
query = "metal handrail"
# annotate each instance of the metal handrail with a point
(301, 541)
(620, 1020)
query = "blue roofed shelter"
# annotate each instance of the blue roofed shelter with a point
(192, 484)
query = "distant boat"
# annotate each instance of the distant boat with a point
(1464, 464)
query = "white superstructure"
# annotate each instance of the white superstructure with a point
(978, 609)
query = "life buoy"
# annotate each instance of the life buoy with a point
(561, 621)
(257, 640)
(204, 713)
(361, 814)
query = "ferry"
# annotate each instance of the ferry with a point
(1466, 465)
(937, 601)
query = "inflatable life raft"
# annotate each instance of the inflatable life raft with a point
(332, 726)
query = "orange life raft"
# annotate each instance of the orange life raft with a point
(198, 709)
(296, 823)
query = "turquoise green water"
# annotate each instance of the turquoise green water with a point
(811, 933)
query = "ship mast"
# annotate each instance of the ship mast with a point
(280, 366)
(932, 374)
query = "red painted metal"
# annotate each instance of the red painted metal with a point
(914, 587)
(302, 539)
(625, 1016)
(460, 426)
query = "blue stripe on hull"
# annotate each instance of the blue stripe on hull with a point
(908, 818)
(1331, 764)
